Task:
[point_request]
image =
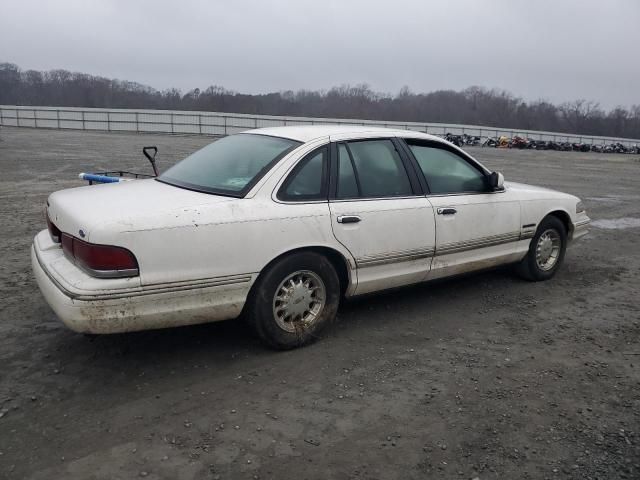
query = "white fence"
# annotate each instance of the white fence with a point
(219, 124)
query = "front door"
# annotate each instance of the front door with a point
(475, 228)
(379, 213)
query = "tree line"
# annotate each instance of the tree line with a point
(472, 106)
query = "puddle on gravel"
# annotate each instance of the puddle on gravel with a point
(613, 198)
(617, 223)
(605, 199)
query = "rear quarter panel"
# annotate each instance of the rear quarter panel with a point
(236, 237)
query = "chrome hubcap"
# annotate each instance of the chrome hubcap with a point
(299, 301)
(548, 249)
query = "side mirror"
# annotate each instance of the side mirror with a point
(496, 181)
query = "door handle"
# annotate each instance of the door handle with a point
(348, 219)
(447, 211)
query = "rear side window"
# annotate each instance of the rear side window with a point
(308, 179)
(372, 169)
(447, 172)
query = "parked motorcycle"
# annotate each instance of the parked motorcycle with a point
(490, 142)
(580, 147)
(619, 148)
(538, 144)
(519, 142)
(504, 142)
(470, 140)
(455, 139)
(566, 147)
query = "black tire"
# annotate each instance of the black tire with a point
(260, 311)
(528, 268)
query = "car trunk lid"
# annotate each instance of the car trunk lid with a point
(77, 211)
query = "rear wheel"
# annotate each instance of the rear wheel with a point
(294, 299)
(546, 251)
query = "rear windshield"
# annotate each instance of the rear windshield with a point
(229, 166)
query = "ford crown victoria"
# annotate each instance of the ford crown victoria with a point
(279, 224)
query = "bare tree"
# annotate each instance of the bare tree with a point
(474, 105)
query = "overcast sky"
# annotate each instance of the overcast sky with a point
(553, 49)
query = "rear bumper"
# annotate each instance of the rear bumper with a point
(173, 305)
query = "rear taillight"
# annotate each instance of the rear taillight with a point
(102, 261)
(53, 230)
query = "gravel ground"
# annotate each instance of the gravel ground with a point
(482, 376)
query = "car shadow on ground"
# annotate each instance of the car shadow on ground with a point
(228, 340)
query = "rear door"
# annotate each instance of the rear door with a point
(476, 227)
(379, 212)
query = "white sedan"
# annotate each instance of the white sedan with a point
(281, 223)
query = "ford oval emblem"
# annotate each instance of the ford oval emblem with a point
(81, 232)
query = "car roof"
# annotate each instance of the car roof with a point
(306, 133)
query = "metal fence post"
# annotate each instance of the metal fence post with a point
(17, 117)
(58, 118)
(137, 123)
(83, 122)
(35, 119)
(225, 125)
(200, 123)
(1, 116)
(108, 121)
(172, 129)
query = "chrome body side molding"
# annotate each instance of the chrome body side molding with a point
(394, 257)
(477, 243)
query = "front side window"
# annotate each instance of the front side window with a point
(447, 172)
(307, 181)
(372, 169)
(229, 166)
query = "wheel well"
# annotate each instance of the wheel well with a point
(564, 218)
(336, 258)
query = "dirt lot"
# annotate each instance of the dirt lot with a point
(483, 376)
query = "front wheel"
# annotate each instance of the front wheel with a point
(546, 251)
(294, 299)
